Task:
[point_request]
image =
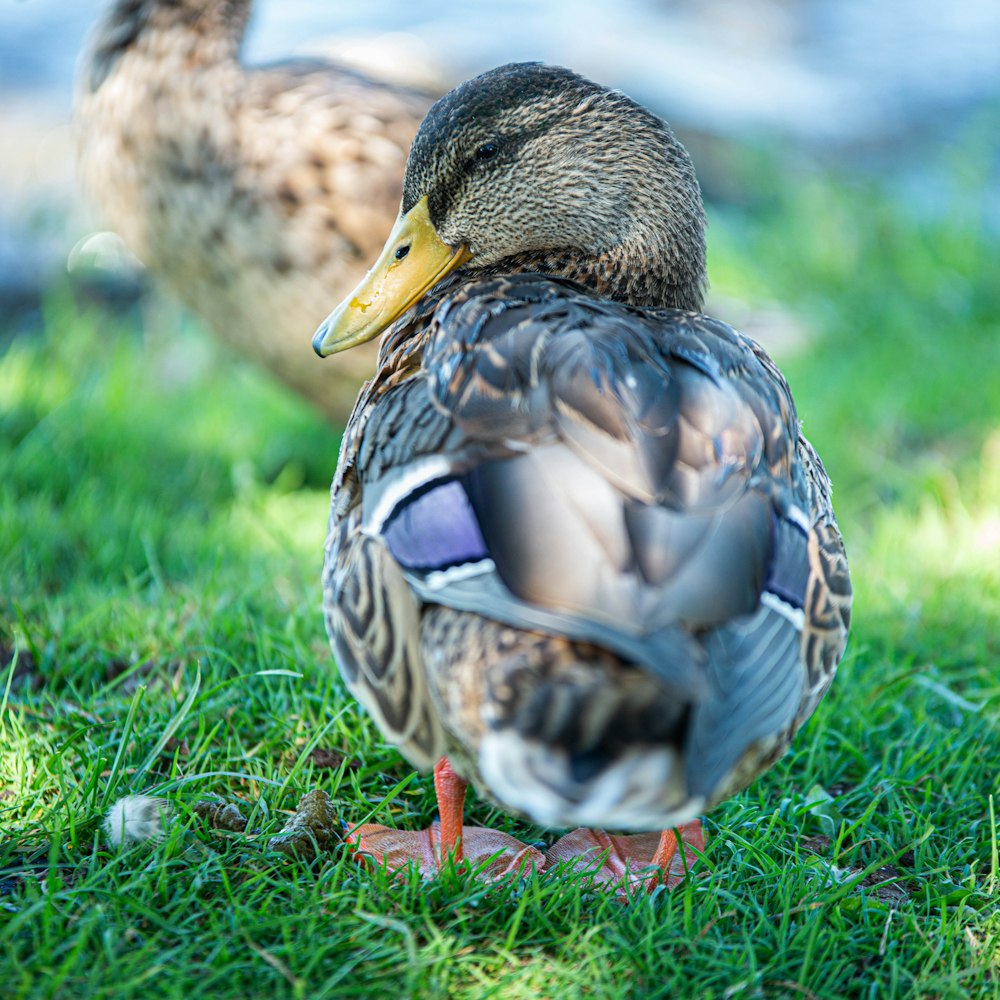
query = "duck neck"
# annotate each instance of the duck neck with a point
(619, 274)
(638, 272)
(657, 269)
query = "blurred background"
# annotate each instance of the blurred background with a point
(850, 156)
(881, 87)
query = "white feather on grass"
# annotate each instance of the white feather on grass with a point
(136, 818)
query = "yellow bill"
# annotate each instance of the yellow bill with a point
(413, 260)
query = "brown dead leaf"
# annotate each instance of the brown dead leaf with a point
(891, 892)
(174, 745)
(149, 672)
(331, 759)
(27, 676)
(819, 844)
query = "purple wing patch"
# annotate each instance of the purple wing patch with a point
(788, 573)
(435, 528)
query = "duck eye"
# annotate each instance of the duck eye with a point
(402, 251)
(487, 151)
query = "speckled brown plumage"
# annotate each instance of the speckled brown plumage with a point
(578, 543)
(479, 416)
(255, 195)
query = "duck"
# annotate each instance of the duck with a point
(255, 195)
(580, 554)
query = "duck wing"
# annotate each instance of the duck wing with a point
(630, 478)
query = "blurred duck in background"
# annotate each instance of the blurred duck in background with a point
(257, 196)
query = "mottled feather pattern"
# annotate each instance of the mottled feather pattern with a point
(635, 431)
(373, 620)
(573, 708)
(257, 195)
(828, 591)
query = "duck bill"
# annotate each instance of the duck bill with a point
(413, 260)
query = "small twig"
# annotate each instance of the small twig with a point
(274, 962)
(798, 987)
(885, 933)
(714, 921)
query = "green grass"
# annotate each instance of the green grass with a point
(162, 510)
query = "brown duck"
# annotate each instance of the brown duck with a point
(580, 554)
(255, 195)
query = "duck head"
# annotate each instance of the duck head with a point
(534, 168)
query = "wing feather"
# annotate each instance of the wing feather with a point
(628, 478)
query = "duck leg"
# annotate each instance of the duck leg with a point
(630, 856)
(494, 855)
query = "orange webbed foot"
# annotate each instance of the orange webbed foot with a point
(493, 855)
(631, 856)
